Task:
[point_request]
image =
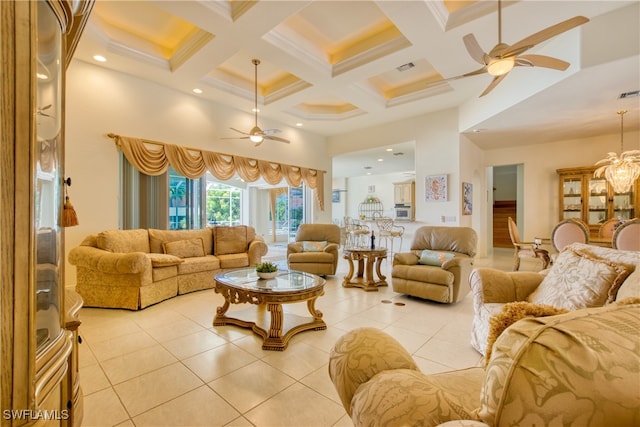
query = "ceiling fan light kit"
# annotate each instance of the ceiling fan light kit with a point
(503, 57)
(257, 135)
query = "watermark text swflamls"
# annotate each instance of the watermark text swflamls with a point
(35, 414)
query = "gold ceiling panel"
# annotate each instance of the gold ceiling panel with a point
(149, 30)
(238, 73)
(341, 35)
(327, 108)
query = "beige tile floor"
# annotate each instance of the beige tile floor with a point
(168, 366)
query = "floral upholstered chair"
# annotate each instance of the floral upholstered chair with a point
(577, 368)
(582, 276)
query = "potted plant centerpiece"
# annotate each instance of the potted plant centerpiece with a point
(266, 270)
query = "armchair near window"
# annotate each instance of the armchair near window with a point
(315, 250)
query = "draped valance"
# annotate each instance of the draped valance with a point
(193, 163)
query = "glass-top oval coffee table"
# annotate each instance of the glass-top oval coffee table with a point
(244, 286)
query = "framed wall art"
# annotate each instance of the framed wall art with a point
(436, 188)
(467, 198)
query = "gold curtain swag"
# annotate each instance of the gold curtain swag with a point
(193, 163)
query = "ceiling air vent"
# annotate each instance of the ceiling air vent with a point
(629, 94)
(405, 67)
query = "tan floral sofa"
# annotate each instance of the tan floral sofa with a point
(573, 369)
(438, 266)
(582, 276)
(133, 269)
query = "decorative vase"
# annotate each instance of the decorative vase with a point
(269, 275)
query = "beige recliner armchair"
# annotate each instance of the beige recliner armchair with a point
(438, 266)
(315, 250)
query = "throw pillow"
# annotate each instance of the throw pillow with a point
(185, 248)
(510, 314)
(578, 280)
(313, 246)
(436, 258)
(164, 260)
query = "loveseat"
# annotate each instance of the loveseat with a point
(582, 276)
(438, 265)
(573, 369)
(133, 269)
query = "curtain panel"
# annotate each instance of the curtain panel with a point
(154, 158)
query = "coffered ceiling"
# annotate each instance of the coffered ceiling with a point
(339, 66)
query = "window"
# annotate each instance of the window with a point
(289, 210)
(223, 203)
(171, 201)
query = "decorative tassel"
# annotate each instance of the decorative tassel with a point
(69, 216)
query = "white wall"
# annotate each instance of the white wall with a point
(540, 210)
(437, 152)
(99, 101)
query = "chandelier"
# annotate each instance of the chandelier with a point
(622, 171)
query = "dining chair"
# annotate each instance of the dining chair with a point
(388, 230)
(525, 249)
(627, 235)
(607, 228)
(568, 231)
(357, 233)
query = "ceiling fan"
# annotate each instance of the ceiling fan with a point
(256, 134)
(503, 57)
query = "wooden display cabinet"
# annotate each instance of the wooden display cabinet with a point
(592, 199)
(38, 327)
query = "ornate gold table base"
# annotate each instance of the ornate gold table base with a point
(269, 320)
(366, 259)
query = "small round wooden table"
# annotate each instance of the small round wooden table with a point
(366, 259)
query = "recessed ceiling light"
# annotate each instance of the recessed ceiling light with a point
(381, 160)
(389, 149)
(197, 90)
(99, 58)
(299, 124)
(255, 110)
(368, 173)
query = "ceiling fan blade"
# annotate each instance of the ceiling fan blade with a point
(259, 142)
(277, 138)
(236, 137)
(473, 47)
(542, 61)
(239, 131)
(479, 71)
(493, 84)
(549, 32)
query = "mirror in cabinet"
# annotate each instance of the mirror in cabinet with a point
(47, 183)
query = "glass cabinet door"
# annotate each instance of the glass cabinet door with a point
(571, 187)
(598, 201)
(47, 177)
(623, 205)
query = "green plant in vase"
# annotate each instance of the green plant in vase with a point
(266, 270)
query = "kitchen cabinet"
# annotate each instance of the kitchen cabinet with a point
(404, 193)
(593, 200)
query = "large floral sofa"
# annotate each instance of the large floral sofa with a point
(133, 269)
(574, 369)
(582, 276)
